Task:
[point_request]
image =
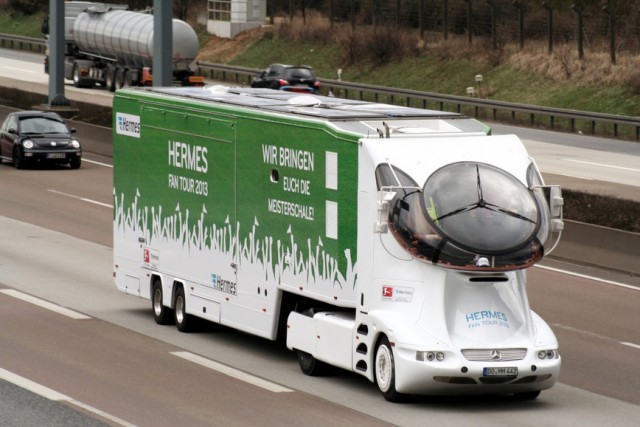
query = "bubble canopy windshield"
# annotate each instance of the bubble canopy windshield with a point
(467, 215)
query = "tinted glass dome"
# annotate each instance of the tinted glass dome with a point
(480, 207)
(468, 215)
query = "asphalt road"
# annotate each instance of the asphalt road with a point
(117, 366)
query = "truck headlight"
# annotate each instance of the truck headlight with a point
(75, 143)
(547, 354)
(27, 144)
(429, 356)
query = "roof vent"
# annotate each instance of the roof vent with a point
(217, 89)
(304, 101)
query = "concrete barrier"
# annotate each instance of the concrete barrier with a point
(602, 247)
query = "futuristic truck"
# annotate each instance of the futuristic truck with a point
(107, 45)
(389, 241)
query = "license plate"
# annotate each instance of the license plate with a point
(492, 372)
(56, 155)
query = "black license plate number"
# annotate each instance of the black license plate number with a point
(495, 372)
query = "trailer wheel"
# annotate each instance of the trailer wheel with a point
(119, 78)
(75, 73)
(110, 78)
(385, 371)
(309, 365)
(163, 315)
(184, 321)
(127, 80)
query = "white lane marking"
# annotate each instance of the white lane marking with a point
(106, 165)
(604, 165)
(51, 394)
(594, 335)
(570, 176)
(585, 276)
(234, 373)
(22, 70)
(44, 304)
(84, 199)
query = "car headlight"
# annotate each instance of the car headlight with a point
(75, 143)
(27, 144)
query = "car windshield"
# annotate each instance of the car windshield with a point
(299, 73)
(468, 215)
(36, 125)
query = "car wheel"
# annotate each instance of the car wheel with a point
(18, 159)
(385, 371)
(184, 321)
(75, 163)
(162, 314)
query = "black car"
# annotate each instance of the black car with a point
(27, 137)
(294, 78)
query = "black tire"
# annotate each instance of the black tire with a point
(309, 365)
(75, 163)
(184, 322)
(119, 78)
(78, 80)
(528, 395)
(75, 74)
(110, 78)
(127, 80)
(385, 371)
(162, 314)
(18, 159)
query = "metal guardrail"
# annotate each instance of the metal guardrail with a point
(31, 44)
(618, 126)
(594, 123)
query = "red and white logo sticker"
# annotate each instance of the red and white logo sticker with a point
(397, 293)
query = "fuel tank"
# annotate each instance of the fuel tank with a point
(127, 37)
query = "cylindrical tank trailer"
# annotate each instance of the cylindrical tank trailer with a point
(114, 48)
(127, 37)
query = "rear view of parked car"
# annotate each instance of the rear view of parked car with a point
(30, 137)
(293, 78)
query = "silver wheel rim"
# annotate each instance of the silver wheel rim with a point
(179, 309)
(384, 368)
(157, 301)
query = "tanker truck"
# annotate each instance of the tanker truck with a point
(106, 44)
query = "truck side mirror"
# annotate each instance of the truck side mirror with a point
(555, 202)
(384, 197)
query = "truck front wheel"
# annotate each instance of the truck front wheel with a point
(309, 365)
(162, 314)
(385, 371)
(184, 321)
